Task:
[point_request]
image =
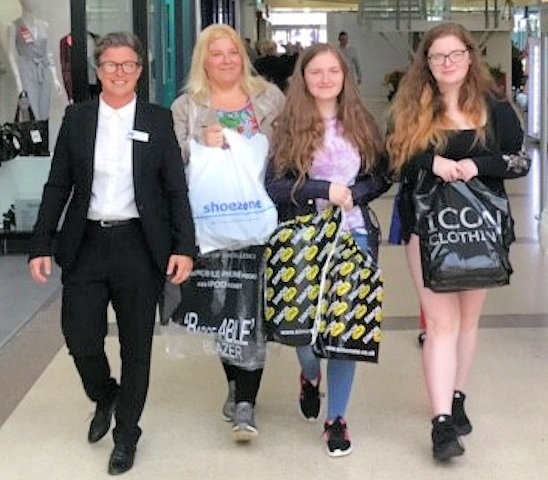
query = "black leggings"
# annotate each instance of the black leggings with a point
(247, 382)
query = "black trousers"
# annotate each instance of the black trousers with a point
(114, 265)
(247, 382)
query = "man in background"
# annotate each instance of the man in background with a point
(349, 53)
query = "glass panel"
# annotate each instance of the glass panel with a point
(104, 16)
(162, 49)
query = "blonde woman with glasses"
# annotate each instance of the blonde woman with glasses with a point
(450, 119)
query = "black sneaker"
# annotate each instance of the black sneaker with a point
(338, 440)
(446, 442)
(461, 421)
(309, 400)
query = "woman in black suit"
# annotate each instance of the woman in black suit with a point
(127, 226)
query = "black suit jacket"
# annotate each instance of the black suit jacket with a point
(159, 182)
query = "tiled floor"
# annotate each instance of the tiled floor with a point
(45, 413)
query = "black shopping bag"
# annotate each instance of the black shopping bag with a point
(223, 299)
(33, 134)
(465, 232)
(351, 305)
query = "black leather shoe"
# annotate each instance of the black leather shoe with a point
(121, 458)
(100, 424)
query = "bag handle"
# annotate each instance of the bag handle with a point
(323, 277)
(23, 104)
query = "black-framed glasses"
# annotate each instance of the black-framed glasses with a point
(455, 56)
(112, 67)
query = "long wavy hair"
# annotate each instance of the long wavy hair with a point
(299, 130)
(197, 85)
(418, 117)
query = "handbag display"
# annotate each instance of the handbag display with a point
(465, 232)
(230, 206)
(32, 134)
(10, 142)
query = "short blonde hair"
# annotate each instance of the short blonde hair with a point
(267, 47)
(198, 84)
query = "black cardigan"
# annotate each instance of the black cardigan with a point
(366, 188)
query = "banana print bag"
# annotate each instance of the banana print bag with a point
(321, 290)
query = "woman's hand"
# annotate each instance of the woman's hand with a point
(446, 168)
(213, 136)
(468, 169)
(341, 196)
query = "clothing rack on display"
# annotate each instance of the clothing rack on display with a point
(65, 46)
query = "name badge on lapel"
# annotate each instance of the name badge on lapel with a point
(138, 136)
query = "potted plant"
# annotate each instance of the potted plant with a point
(392, 81)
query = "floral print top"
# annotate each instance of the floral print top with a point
(243, 121)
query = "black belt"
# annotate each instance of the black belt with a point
(113, 223)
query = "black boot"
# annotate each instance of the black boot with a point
(446, 442)
(460, 420)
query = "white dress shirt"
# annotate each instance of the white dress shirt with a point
(112, 191)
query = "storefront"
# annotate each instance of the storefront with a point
(166, 28)
(68, 31)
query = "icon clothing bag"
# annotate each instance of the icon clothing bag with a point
(230, 206)
(465, 232)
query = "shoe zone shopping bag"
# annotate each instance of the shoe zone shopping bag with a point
(230, 206)
(297, 256)
(223, 302)
(465, 232)
(350, 326)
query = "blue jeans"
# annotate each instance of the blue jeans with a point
(340, 373)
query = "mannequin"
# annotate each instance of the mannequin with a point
(31, 59)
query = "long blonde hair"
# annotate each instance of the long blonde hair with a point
(418, 115)
(197, 85)
(299, 130)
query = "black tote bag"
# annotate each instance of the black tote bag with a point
(465, 232)
(223, 300)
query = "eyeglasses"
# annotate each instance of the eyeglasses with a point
(455, 56)
(112, 67)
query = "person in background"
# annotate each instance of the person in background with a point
(450, 119)
(270, 65)
(327, 150)
(349, 53)
(289, 59)
(127, 226)
(222, 92)
(251, 52)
